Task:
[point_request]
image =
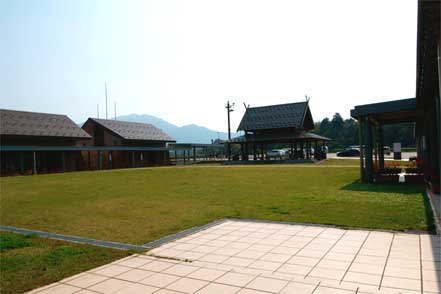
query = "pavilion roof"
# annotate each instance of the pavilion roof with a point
(291, 115)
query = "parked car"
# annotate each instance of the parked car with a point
(276, 153)
(350, 152)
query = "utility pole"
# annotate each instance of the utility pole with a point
(105, 87)
(229, 108)
(98, 111)
(115, 109)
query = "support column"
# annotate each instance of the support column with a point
(194, 154)
(34, 162)
(63, 161)
(316, 156)
(100, 160)
(368, 153)
(254, 151)
(184, 156)
(381, 148)
(21, 163)
(133, 158)
(291, 155)
(361, 142)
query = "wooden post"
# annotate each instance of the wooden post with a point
(368, 156)
(34, 162)
(21, 159)
(194, 154)
(184, 156)
(315, 150)
(63, 161)
(88, 159)
(100, 160)
(361, 141)
(291, 155)
(133, 159)
(254, 151)
(381, 148)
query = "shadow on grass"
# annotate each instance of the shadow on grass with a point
(401, 188)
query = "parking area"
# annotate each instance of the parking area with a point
(251, 257)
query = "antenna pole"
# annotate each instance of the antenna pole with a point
(105, 87)
(115, 110)
(98, 111)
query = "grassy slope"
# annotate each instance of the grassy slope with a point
(29, 262)
(138, 206)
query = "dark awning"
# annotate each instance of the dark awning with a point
(396, 111)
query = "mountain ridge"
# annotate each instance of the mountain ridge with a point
(190, 133)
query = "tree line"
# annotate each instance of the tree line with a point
(344, 132)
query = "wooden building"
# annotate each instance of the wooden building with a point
(115, 135)
(283, 124)
(424, 110)
(23, 135)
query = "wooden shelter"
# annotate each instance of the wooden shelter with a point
(114, 133)
(283, 124)
(424, 109)
(23, 134)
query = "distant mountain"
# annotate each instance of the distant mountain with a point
(185, 134)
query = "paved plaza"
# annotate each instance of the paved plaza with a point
(250, 257)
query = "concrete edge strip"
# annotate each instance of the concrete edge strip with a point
(436, 212)
(178, 235)
(184, 233)
(75, 239)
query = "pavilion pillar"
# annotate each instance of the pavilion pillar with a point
(368, 153)
(21, 163)
(194, 154)
(315, 151)
(254, 151)
(34, 162)
(381, 148)
(301, 150)
(63, 161)
(261, 152)
(184, 156)
(88, 159)
(291, 154)
(100, 160)
(361, 142)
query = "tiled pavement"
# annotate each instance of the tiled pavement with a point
(261, 258)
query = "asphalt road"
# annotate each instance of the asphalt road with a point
(404, 156)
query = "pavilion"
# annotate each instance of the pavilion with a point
(424, 110)
(284, 124)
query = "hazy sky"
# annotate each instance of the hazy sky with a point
(182, 60)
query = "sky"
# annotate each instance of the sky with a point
(182, 60)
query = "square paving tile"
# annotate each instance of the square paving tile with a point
(206, 274)
(267, 284)
(110, 286)
(187, 285)
(159, 280)
(86, 280)
(235, 279)
(218, 289)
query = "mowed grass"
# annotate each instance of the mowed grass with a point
(140, 205)
(28, 262)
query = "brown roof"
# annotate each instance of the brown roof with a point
(134, 131)
(290, 115)
(23, 123)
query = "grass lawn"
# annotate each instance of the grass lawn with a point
(28, 262)
(141, 205)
